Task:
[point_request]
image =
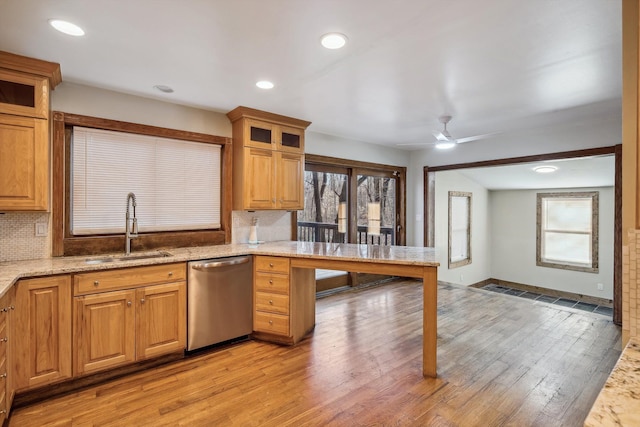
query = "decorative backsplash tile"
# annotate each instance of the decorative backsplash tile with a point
(272, 225)
(18, 239)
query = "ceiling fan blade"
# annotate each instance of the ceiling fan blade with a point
(475, 137)
(406, 144)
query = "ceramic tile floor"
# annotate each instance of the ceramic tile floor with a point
(593, 308)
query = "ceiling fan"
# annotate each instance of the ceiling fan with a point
(444, 140)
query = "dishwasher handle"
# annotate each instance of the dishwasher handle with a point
(212, 264)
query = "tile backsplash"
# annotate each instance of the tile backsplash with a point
(272, 225)
(18, 239)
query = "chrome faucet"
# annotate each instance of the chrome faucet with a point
(130, 233)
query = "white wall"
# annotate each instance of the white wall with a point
(480, 267)
(513, 224)
(96, 102)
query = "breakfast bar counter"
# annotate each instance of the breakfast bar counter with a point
(404, 261)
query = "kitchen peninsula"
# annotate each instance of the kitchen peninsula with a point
(416, 262)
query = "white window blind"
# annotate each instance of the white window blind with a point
(567, 230)
(176, 183)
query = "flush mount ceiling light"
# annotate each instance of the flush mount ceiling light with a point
(163, 88)
(264, 84)
(445, 145)
(333, 40)
(66, 27)
(545, 169)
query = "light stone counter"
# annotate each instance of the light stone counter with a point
(619, 401)
(11, 271)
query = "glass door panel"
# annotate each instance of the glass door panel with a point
(376, 210)
(324, 218)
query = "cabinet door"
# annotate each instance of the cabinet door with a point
(6, 356)
(259, 190)
(290, 186)
(42, 331)
(24, 164)
(104, 326)
(291, 139)
(161, 319)
(24, 94)
(259, 134)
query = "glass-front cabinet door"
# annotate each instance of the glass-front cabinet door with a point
(24, 94)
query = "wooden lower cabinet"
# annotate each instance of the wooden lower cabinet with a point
(284, 300)
(104, 326)
(120, 327)
(161, 319)
(41, 325)
(7, 376)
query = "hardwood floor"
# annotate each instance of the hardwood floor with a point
(502, 361)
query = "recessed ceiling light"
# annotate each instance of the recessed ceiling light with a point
(264, 84)
(445, 145)
(545, 169)
(163, 88)
(333, 40)
(66, 27)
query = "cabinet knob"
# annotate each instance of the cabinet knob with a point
(5, 339)
(270, 282)
(3, 411)
(142, 301)
(270, 264)
(128, 303)
(12, 307)
(271, 322)
(271, 301)
(3, 375)
(96, 283)
(171, 274)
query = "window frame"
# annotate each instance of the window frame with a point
(594, 241)
(65, 244)
(468, 259)
(353, 168)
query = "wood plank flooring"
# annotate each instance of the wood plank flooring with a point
(503, 361)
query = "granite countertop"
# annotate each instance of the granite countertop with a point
(618, 403)
(11, 271)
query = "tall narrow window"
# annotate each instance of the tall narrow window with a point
(459, 229)
(567, 231)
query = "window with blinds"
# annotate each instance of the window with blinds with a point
(459, 228)
(176, 183)
(568, 230)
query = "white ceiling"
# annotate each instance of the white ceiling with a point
(495, 65)
(571, 173)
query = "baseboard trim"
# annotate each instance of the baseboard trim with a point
(552, 292)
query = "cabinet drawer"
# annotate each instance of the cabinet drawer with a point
(107, 280)
(275, 303)
(272, 264)
(270, 322)
(272, 282)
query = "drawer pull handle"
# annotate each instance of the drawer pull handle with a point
(271, 301)
(171, 274)
(128, 303)
(96, 283)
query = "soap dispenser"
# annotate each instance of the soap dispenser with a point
(253, 232)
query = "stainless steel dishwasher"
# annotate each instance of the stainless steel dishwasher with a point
(220, 299)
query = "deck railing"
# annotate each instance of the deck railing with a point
(328, 232)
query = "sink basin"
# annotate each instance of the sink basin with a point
(161, 254)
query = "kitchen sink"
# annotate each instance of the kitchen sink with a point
(103, 260)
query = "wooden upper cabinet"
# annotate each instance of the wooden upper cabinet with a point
(24, 164)
(24, 131)
(268, 155)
